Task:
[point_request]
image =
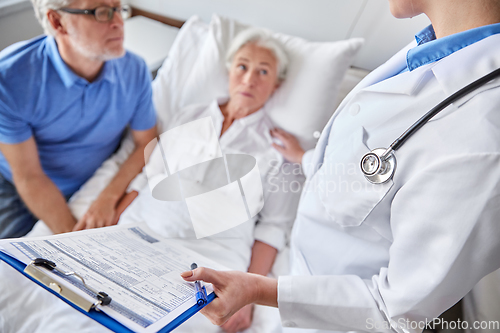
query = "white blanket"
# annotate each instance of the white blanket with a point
(26, 307)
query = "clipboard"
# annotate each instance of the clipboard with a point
(93, 312)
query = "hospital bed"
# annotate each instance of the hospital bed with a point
(481, 304)
(193, 72)
(23, 306)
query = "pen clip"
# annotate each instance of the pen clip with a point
(200, 292)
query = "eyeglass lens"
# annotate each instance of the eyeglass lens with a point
(105, 14)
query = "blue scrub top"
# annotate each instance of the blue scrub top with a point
(77, 125)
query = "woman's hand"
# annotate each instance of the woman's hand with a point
(234, 290)
(291, 149)
(100, 214)
(240, 321)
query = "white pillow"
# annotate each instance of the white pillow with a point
(195, 72)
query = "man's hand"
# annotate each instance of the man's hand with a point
(125, 201)
(100, 214)
(291, 149)
(103, 212)
(240, 321)
(39, 193)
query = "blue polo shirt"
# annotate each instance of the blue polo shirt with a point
(77, 125)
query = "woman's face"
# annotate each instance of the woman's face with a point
(253, 77)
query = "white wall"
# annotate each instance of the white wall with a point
(384, 35)
(317, 20)
(18, 22)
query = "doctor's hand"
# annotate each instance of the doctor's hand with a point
(234, 290)
(291, 149)
(100, 214)
(240, 321)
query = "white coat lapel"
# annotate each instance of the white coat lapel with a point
(393, 66)
(473, 62)
(390, 68)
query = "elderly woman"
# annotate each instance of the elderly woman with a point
(257, 65)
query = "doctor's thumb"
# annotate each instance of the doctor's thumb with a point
(203, 274)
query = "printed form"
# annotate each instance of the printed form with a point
(139, 271)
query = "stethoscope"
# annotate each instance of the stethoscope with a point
(379, 165)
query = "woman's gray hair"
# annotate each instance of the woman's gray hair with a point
(42, 7)
(263, 39)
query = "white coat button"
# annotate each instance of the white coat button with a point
(316, 134)
(354, 110)
(290, 324)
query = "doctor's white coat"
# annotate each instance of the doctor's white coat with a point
(389, 257)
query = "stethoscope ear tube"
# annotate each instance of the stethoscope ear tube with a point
(441, 106)
(379, 165)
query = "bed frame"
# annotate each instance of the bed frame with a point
(163, 19)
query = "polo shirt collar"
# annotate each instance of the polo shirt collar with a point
(107, 72)
(68, 77)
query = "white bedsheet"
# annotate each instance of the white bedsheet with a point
(26, 307)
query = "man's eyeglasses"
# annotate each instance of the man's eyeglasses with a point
(101, 13)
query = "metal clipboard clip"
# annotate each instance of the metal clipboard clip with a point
(34, 270)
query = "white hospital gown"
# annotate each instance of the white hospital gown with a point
(25, 307)
(248, 135)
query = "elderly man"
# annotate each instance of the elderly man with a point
(65, 101)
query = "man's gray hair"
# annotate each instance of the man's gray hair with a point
(263, 39)
(42, 7)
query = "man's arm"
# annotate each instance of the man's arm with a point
(38, 192)
(103, 211)
(155, 166)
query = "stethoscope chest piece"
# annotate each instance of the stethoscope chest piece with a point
(378, 168)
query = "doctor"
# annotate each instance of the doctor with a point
(391, 256)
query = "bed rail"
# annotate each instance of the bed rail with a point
(161, 18)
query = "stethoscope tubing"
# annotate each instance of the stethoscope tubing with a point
(379, 165)
(438, 108)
